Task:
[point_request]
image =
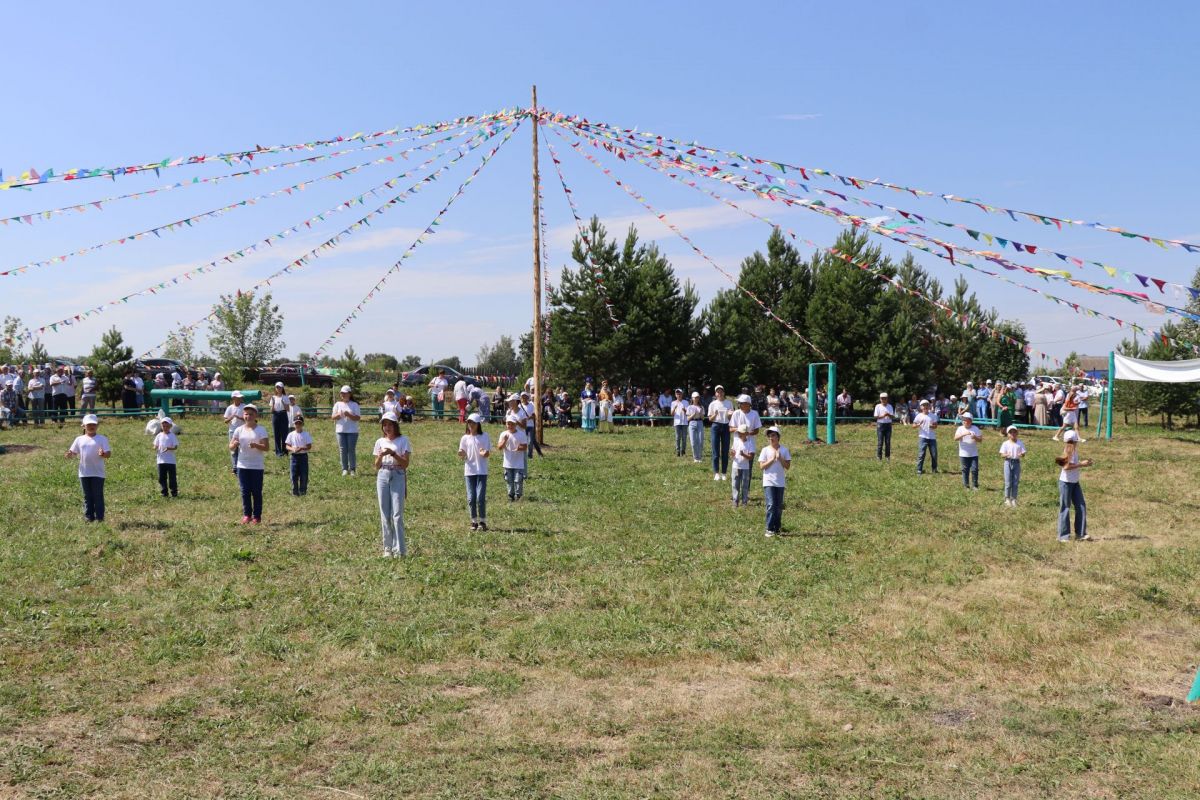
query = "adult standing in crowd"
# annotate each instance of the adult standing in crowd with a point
(844, 403)
(1007, 406)
(527, 414)
(1041, 407)
(346, 415)
(58, 395)
(139, 389)
(926, 424)
(249, 444)
(128, 392)
(695, 416)
(884, 416)
(461, 396)
(983, 399)
(606, 406)
(36, 389)
(392, 454)
(719, 412)
(437, 393)
(587, 407)
(279, 418)
(968, 437)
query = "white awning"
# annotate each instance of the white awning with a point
(1136, 369)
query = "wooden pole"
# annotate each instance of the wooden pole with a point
(537, 279)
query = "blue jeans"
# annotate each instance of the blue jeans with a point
(741, 485)
(774, 497)
(391, 485)
(299, 473)
(883, 441)
(681, 437)
(981, 409)
(696, 431)
(477, 497)
(279, 424)
(1071, 494)
(1012, 477)
(720, 447)
(37, 406)
(534, 444)
(923, 445)
(515, 478)
(251, 481)
(93, 498)
(347, 446)
(970, 469)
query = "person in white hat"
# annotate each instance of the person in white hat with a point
(885, 415)
(742, 454)
(526, 413)
(513, 443)
(720, 410)
(926, 423)
(968, 437)
(775, 460)
(234, 419)
(695, 416)
(746, 415)
(92, 449)
(299, 443)
(1070, 492)
(392, 454)
(1012, 450)
(165, 445)
(279, 418)
(473, 450)
(679, 418)
(346, 415)
(249, 444)
(1070, 412)
(389, 404)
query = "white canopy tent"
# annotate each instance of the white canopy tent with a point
(1125, 368)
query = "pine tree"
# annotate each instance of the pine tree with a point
(351, 370)
(108, 361)
(38, 354)
(245, 334)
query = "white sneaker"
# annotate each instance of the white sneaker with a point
(386, 554)
(345, 472)
(724, 477)
(716, 476)
(353, 474)
(769, 535)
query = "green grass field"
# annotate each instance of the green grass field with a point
(622, 633)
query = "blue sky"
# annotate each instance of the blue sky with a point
(1080, 110)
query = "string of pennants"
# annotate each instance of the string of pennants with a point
(430, 230)
(32, 177)
(694, 156)
(963, 319)
(667, 164)
(585, 237)
(862, 183)
(471, 144)
(50, 213)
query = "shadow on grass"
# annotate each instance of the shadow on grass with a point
(150, 524)
(13, 449)
(816, 534)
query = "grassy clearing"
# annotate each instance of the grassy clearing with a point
(623, 632)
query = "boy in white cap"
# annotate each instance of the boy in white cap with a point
(745, 414)
(775, 460)
(526, 413)
(513, 443)
(1012, 451)
(742, 454)
(695, 416)
(249, 444)
(968, 437)
(926, 423)
(92, 449)
(165, 445)
(884, 416)
(299, 443)
(234, 418)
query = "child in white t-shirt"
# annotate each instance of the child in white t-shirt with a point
(473, 450)
(1012, 451)
(299, 443)
(741, 452)
(165, 445)
(91, 449)
(513, 443)
(775, 460)
(234, 418)
(392, 453)
(968, 437)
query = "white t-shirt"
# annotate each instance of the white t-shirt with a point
(460, 390)
(737, 448)
(927, 423)
(299, 439)
(233, 416)
(509, 442)
(679, 412)
(342, 424)
(437, 386)
(88, 448)
(56, 385)
(389, 405)
(279, 402)
(774, 475)
(475, 464)
(163, 441)
(720, 410)
(968, 446)
(526, 413)
(1011, 449)
(399, 444)
(248, 458)
(884, 413)
(695, 413)
(139, 384)
(1068, 475)
(89, 385)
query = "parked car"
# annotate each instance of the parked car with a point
(423, 375)
(290, 374)
(153, 366)
(76, 369)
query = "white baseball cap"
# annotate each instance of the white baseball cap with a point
(344, 390)
(774, 430)
(278, 384)
(924, 403)
(744, 398)
(478, 420)
(390, 417)
(167, 420)
(1014, 429)
(695, 394)
(235, 393)
(91, 419)
(883, 394)
(967, 415)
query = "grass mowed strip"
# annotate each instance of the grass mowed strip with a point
(621, 632)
